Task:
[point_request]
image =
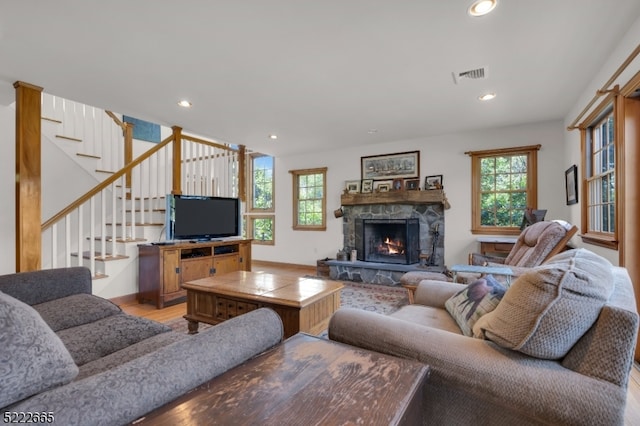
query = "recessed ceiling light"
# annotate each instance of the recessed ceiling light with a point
(372, 131)
(487, 96)
(272, 136)
(185, 103)
(482, 7)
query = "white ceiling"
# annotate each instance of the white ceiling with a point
(319, 74)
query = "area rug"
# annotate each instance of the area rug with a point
(369, 297)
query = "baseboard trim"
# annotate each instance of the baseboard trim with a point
(127, 299)
(259, 263)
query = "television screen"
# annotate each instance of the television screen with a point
(202, 218)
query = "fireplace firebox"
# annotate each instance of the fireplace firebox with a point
(388, 240)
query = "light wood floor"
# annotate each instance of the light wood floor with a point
(632, 414)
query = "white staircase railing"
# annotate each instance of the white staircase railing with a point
(100, 137)
(94, 227)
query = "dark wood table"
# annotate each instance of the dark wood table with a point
(306, 380)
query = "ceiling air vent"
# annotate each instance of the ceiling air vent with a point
(476, 74)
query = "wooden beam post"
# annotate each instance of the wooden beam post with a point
(242, 173)
(177, 160)
(28, 177)
(128, 149)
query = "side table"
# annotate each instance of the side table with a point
(497, 270)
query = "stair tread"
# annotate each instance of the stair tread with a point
(107, 257)
(137, 224)
(109, 239)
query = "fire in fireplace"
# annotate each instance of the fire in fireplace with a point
(388, 240)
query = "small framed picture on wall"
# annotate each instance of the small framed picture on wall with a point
(571, 184)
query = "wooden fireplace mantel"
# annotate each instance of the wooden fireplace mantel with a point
(394, 197)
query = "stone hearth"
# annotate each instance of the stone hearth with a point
(372, 272)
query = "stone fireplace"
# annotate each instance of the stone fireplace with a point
(421, 211)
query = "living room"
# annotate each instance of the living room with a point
(440, 154)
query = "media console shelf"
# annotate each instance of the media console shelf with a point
(163, 268)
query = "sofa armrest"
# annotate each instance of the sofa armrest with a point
(130, 390)
(473, 372)
(45, 285)
(435, 293)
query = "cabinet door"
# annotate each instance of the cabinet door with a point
(194, 269)
(225, 263)
(245, 257)
(171, 271)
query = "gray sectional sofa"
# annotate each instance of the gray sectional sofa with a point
(77, 358)
(557, 349)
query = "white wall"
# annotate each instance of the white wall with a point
(7, 190)
(438, 155)
(572, 138)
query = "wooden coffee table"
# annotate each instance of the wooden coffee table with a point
(304, 304)
(306, 380)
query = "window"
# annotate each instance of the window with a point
(504, 183)
(261, 226)
(262, 183)
(262, 229)
(309, 199)
(599, 156)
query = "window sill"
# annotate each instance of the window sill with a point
(600, 241)
(496, 231)
(309, 228)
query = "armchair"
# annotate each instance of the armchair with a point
(535, 245)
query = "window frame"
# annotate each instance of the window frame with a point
(251, 226)
(296, 174)
(251, 208)
(608, 106)
(252, 213)
(531, 151)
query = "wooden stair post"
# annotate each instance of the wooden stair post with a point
(28, 177)
(177, 161)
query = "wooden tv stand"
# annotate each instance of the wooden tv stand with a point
(163, 268)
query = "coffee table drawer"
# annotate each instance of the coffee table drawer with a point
(229, 308)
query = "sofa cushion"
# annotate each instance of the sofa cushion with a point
(129, 353)
(546, 310)
(477, 299)
(75, 310)
(91, 341)
(32, 358)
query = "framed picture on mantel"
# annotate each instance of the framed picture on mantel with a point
(402, 165)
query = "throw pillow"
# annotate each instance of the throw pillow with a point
(33, 358)
(478, 298)
(548, 309)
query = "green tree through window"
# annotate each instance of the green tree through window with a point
(309, 199)
(262, 182)
(261, 185)
(504, 190)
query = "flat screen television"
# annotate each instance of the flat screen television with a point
(202, 218)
